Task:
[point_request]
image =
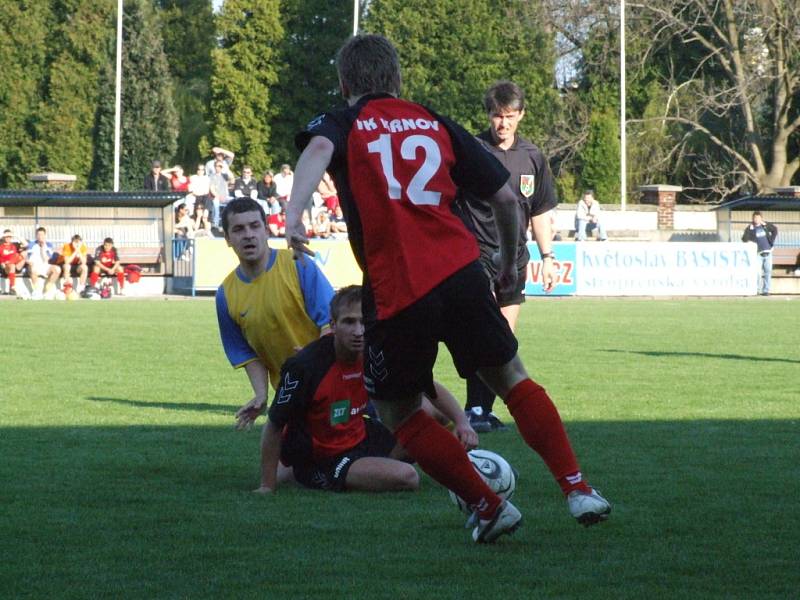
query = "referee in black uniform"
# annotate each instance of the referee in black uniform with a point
(533, 183)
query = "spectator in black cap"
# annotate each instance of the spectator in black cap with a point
(154, 180)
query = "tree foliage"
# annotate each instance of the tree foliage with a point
(451, 52)
(244, 72)
(24, 31)
(585, 146)
(307, 82)
(600, 156)
(149, 119)
(78, 46)
(189, 37)
(730, 73)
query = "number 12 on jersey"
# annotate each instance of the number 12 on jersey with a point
(415, 190)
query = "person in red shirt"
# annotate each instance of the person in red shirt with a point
(106, 264)
(317, 423)
(397, 166)
(177, 180)
(277, 224)
(12, 260)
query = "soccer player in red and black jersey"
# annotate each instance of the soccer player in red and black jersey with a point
(107, 264)
(320, 407)
(397, 166)
(12, 260)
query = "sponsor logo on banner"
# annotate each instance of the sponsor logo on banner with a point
(564, 266)
(527, 185)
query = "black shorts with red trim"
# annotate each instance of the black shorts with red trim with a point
(461, 312)
(331, 474)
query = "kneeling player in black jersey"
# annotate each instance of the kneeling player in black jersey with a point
(318, 424)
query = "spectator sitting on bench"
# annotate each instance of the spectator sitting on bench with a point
(107, 264)
(12, 260)
(42, 260)
(587, 218)
(74, 262)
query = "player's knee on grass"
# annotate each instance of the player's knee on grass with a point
(378, 474)
(408, 478)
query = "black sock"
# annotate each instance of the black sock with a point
(479, 394)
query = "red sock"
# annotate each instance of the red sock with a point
(121, 279)
(540, 425)
(93, 279)
(442, 457)
(12, 277)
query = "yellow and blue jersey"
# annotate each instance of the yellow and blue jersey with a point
(266, 318)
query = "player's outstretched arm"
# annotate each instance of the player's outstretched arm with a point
(259, 377)
(310, 168)
(270, 455)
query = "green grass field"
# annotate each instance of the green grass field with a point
(121, 474)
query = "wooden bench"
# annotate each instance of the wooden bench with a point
(787, 259)
(149, 258)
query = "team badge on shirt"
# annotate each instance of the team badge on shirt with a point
(527, 184)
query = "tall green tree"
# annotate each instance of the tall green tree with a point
(149, 118)
(307, 81)
(24, 34)
(600, 156)
(189, 37)
(587, 44)
(451, 52)
(244, 71)
(80, 44)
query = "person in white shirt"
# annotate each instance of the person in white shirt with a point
(283, 183)
(199, 189)
(587, 218)
(40, 254)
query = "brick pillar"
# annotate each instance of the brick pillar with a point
(664, 196)
(789, 192)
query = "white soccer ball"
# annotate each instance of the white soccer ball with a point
(495, 471)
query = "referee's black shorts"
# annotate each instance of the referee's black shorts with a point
(461, 312)
(509, 297)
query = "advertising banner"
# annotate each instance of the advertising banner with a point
(665, 269)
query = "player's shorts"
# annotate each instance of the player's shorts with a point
(106, 268)
(18, 264)
(73, 269)
(331, 475)
(510, 297)
(461, 312)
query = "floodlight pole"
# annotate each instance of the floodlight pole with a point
(355, 17)
(118, 96)
(623, 139)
